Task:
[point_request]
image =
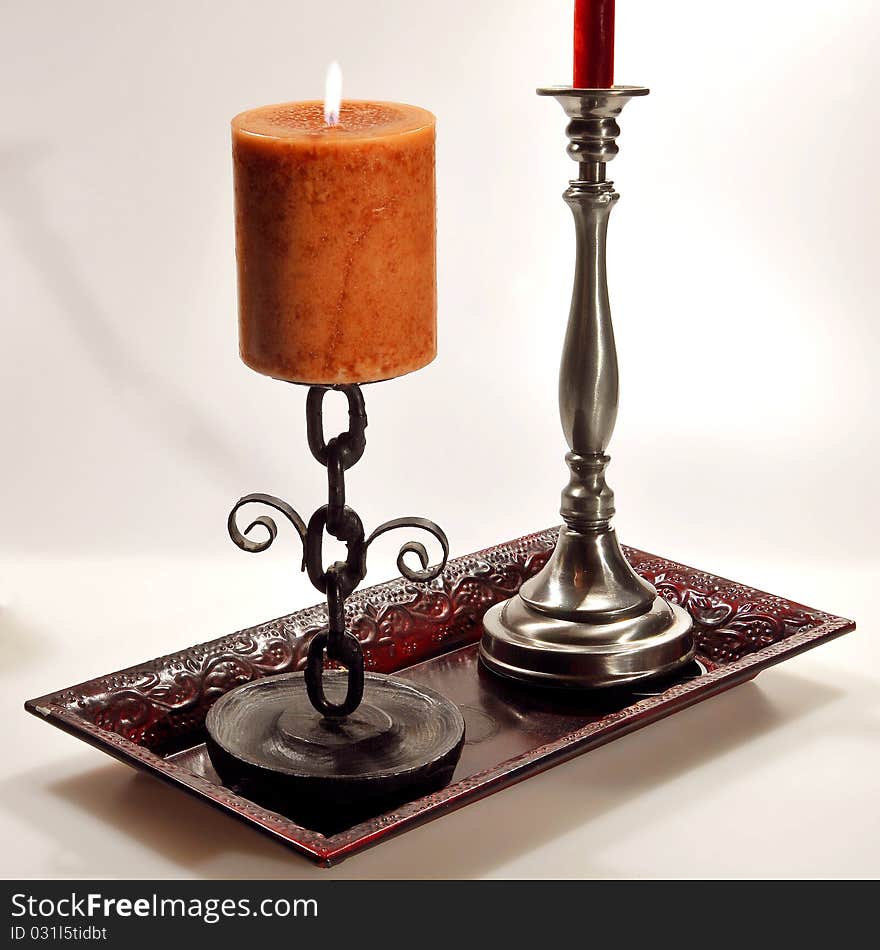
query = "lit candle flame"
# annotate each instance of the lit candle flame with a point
(333, 94)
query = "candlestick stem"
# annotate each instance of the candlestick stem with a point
(587, 619)
(340, 521)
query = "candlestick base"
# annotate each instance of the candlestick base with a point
(622, 631)
(586, 621)
(266, 740)
(522, 644)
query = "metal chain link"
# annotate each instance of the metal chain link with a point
(341, 577)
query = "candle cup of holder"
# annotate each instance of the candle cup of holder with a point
(587, 620)
(281, 740)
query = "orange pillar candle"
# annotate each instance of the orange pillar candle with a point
(335, 240)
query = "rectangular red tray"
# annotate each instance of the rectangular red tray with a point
(152, 715)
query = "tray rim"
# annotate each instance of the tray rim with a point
(330, 850)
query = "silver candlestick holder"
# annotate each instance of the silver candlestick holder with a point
(587, 619)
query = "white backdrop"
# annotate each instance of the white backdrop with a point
(743, 268)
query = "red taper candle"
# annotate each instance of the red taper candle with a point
(593, 44)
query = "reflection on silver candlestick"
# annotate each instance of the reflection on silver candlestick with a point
(587, 619)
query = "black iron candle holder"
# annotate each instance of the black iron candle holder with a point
(386, 741)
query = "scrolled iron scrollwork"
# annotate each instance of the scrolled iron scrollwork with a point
(415, 547)
(340, 521)
(241, 539)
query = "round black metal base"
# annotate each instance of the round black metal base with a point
(267, 742)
